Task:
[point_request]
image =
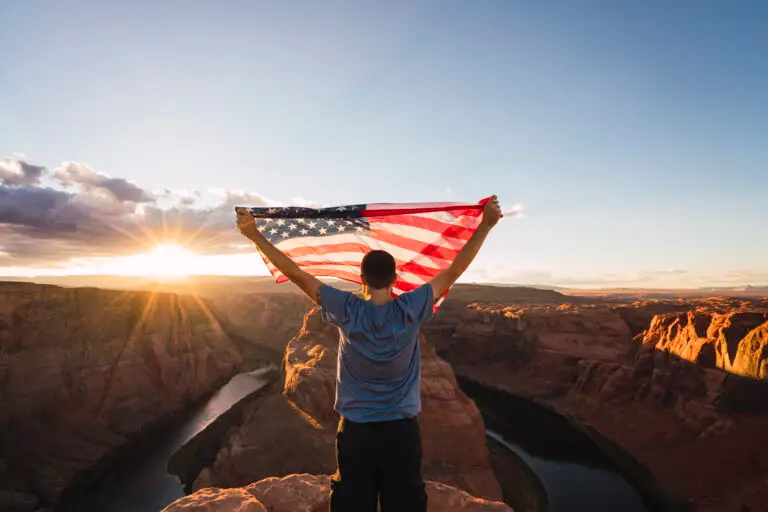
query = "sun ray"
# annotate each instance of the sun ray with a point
(129, 340)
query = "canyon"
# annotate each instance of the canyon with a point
(672, 391)
(677, 385)
(84, 372)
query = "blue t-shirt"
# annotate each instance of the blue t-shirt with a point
(379, 365)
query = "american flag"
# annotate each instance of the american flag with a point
(424, 238)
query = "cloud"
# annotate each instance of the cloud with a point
(300, 201)
(85, 213)
(666, 272)
(18, 173)
(76, 174)
(448, 190)
(658, 278)
(746, 276)
(547, 278)
(516, 212)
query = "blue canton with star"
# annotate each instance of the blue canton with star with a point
(280, 229)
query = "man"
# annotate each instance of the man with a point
(378, 443)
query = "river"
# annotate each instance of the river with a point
(572, 486)
(573, 472)
(141, 483)
(567, 471)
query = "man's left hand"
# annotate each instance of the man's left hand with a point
(246, 224)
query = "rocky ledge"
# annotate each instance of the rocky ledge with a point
(280, 440)
(674, 384)
(310, 493)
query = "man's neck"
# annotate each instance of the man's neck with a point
(381, 296)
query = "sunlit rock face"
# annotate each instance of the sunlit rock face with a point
(732, 340)
(83, 370)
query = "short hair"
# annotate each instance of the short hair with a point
(378, 269)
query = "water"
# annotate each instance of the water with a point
(573, 486)
(141, 483)
(575, 473)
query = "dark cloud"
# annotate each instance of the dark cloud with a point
(76, 174)
(18, 173)
(98, 215)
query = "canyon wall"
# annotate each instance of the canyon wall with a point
(256, 322)
(293, 432)
(84, 370)
(668, 393)
(735, 340)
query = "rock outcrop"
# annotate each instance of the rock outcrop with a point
(294, 432)
(667, 394)
(733, 341)
(84, 370)
(310, 493)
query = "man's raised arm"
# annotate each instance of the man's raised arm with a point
(443, 281)
(308, 283)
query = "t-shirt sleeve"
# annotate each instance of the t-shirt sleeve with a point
(418, 304)
(335, 305)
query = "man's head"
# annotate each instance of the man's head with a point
(378, 270)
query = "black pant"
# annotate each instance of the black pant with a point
(378, 460)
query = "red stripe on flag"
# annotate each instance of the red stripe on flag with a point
(297, 252)
(437, 253)
(405, 286)
(434, 225)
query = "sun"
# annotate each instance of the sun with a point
(167, 260)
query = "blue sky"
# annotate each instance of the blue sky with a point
(635, 134)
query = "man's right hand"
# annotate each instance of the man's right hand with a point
(445, 279)
(492, 212)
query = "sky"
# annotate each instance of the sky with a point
(634, 135)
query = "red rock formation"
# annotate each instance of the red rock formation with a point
(275, 438)
(82, 370)
(309, 493)
(702, 431)
(452, 428)
(713, 339)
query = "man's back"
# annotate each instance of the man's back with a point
(378, 441)
(379, 360)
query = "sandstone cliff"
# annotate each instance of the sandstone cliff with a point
(294, 432)
(83, 370)
(656, 392)
(732, 340)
